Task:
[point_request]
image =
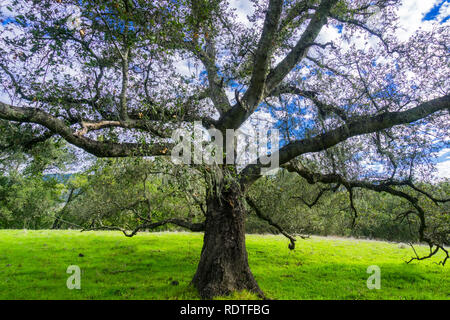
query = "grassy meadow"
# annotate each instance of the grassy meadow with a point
(33, 265)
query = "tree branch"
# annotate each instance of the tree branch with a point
(301, 48)
(314, 177)
(58, 126)
(363, 125)
(196, 227)
(323, 108)
(318, 196)
(263, 54)
(262, 84)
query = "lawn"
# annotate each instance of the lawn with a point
(33, 265)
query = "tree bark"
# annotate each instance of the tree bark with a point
(223, 266)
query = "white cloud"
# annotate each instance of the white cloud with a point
(443, 165)
(7, 9)
(4, 97)
(410, 15)
(327, 34)
(74, 21)
(444, 11)
(243, 8)
(188, 67)
(444, 152)
(443, 169)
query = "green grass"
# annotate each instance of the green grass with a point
(33, 265)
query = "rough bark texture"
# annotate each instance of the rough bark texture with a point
(223, 266)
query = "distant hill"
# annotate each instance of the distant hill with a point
(60, 177)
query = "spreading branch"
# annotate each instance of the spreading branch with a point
(95, 147)
(386, 186)
(360, 126)
(196, 227)
(264, 82)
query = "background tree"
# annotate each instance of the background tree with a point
(320, 209)
(101, 75)
(122, 194)
(29, 198)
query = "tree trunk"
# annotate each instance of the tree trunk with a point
(223, 266)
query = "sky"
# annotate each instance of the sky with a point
(413, 14)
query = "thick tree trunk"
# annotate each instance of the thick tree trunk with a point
(223, 266)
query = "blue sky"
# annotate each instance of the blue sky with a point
(435, 12)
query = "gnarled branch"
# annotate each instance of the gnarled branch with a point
(386, 186)
(196, 227)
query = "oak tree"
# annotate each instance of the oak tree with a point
(363, 110)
